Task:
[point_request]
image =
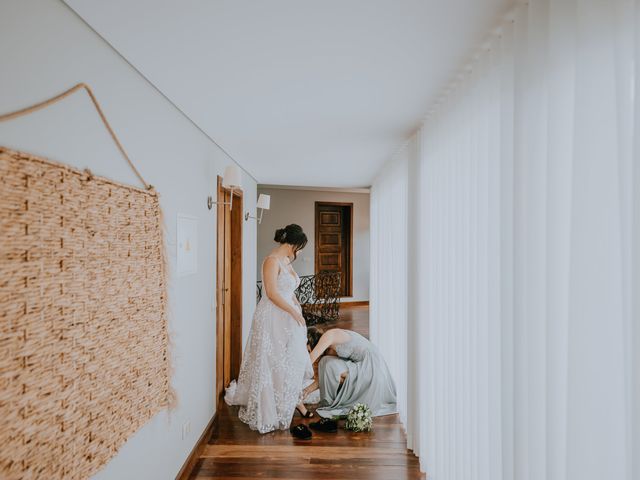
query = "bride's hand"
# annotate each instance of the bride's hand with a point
(300, 319)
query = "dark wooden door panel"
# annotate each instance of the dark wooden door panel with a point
(331, 241)
(330, 219)
(330, 261)
(333, 248)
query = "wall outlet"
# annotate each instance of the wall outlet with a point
(186, 429)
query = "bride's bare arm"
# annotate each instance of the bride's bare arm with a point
(270, 282)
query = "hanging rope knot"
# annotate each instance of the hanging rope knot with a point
(94, 100)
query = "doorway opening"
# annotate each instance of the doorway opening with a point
(334, 242)
(228, 288)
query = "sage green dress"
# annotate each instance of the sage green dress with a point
(368, 380)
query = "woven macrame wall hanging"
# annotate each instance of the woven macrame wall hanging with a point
(84, 358)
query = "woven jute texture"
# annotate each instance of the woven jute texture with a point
(84, 358)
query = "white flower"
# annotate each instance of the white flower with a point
(359, 418)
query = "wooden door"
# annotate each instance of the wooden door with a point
(334, 242)
(228, 289)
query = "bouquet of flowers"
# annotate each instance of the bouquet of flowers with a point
(359, 418)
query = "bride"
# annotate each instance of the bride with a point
(275, 365)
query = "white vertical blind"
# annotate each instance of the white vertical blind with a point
(388, 274)
(521, 324)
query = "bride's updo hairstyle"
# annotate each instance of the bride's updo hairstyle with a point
(292, 235)
(313, 336)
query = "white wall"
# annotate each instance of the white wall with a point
(298, 206)
(44, 49)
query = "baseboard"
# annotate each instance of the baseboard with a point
(363, 303)
(193, 457)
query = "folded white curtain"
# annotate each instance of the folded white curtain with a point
(388, 274)
(524, 247)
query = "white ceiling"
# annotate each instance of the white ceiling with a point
(310, 93)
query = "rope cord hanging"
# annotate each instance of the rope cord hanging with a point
(57, 98)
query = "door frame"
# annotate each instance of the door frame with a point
(317, 236)
(228, 340)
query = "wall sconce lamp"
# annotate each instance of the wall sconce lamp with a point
(232, 179)
(264, 202)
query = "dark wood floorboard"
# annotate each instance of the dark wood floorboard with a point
(351, 318)
(235, 451)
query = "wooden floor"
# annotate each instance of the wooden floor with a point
(235, 451)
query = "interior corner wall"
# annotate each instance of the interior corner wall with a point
(298, 206)
(45, 49)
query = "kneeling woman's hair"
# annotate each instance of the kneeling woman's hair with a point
(313, 336)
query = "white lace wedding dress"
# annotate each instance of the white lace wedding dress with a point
(275, 365)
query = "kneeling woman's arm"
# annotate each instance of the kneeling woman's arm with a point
(328, 338)
(311, 388)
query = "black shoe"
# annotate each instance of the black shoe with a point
(325, 425)
(301, 432)
(306, 415)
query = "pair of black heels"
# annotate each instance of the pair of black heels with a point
(302, 432)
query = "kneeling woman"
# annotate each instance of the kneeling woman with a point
(351, 370)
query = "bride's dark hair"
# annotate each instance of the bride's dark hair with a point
(313, 336)
(292, 235)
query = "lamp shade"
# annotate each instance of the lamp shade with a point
(264, 201)
(232, 177)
